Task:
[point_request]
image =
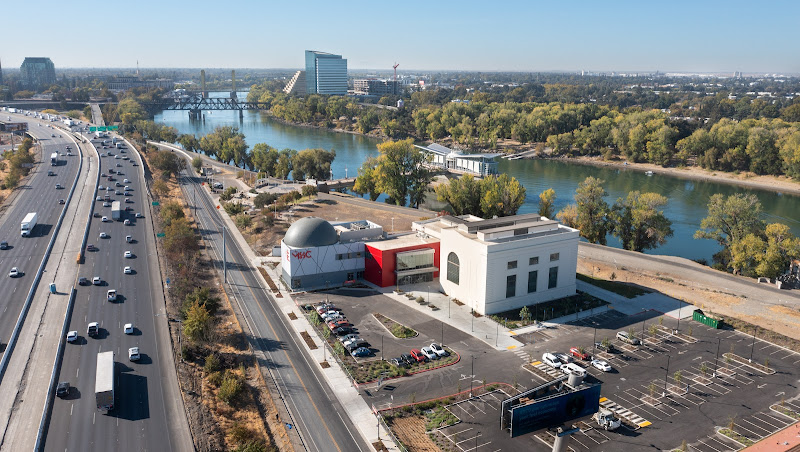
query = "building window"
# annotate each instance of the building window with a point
(533, 261)
(350, 276)
(532, 277)
(553, 257)
(452, 268)
(552, 282)
(512, 265)
(511, 286)
(359, 275)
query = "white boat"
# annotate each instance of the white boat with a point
(649, 173)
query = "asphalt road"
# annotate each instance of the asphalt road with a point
(38, 195)
(322, 422)
(139, 420)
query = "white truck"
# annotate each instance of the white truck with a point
(104, 381)
(606, 419)
(54, 159)
(116, 211)
(27, 225)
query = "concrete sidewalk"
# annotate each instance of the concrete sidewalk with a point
(23, 391)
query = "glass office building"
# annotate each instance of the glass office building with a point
(326, 73)
(36, 72)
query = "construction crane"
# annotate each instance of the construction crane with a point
(395, 71)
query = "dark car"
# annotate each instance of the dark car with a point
(609, 349)
(407, 359)
(398, 362)
(97, 215)
(90, 247)
(361, 351)
(3, 245)
(61, 201)
(83, 281)
(353, 346)
(62, 390)
(342, 330)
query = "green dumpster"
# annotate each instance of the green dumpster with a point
(698, 316)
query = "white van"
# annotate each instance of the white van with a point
(551, 360)
(627, 338)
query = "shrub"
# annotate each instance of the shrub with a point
(232, 208)
(201, 295)
(230, 388)
(243, 221)
(309, 190)
(197, 163)
(239, 434)
(214, 378)
(212, 363)
(255, 445)
(263, 199)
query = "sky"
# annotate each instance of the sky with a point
(529, 36)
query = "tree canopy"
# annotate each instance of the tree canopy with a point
(488, 197)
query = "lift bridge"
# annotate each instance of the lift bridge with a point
(197, 102)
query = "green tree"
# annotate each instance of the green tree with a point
(189, 142)
(264, 158)
(547, 200)
(367, 181)
(197, 325)
(202, 296)
(197, 163)
(312, 164)
(501, 196)
(263, 199)
(170, 211)
(130, 111)
(592, 210)
(729, 220)
(463, 194)
(308, 191)
(243, 221)
(401, 172)
(284, 164)
(524, 313)
(639, 221)
(168, 162)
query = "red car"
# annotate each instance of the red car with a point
(416, 354)
(337, 323)
(574, 351)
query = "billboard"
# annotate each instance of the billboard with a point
(554, 410)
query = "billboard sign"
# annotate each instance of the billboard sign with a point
(554, 410)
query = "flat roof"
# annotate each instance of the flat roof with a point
(400, 242)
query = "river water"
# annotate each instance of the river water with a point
(687, 205)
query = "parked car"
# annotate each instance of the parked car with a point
(357, 342)
(438, 349)
(430, 354)
(551, 360)
(347, 337)
(603, 348)
(398, 362)
(573, 369)
(352, 346)
(601, 364)
(576, 352)
(418, 356)
(408, 359)
(361, 351)
(564, 358)
(627, 338)
(333, 324)
(342, 330)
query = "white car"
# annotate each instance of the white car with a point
(601, 364)
(126, 181)
(106, 204)
(429, 353)
(14, 272)
(128, 255)
(105, 220)
(551, 360)
(127, 222)
(100, 187)
(574, 369)
(438, 349)
(133, 354)
(111, 295)
(72, 336)
(139, 215)
(128, 239)
(103, 235)
(128, 329)
(127, 270)
(96, 281)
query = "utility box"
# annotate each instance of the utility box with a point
(52, 287)
(698, 316)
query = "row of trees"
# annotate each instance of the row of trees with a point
(18, 161)
(488, 197)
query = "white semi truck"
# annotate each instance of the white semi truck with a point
(104, 381)
(27, 225)
(54, 159)
(116, 211)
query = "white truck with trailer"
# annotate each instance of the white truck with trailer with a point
(54, 159)
(116, 211)
(28, 223)
(104, 381)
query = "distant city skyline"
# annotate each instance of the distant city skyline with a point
(624, 36)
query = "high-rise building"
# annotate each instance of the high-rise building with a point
(326, 73)
(375, 87)
(37, 71)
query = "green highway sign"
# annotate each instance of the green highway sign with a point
(113, 127)
(103, 128)
(160, 234)
(155, 203)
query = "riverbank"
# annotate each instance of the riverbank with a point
(779, 184)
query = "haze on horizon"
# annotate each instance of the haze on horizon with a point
(680, 36)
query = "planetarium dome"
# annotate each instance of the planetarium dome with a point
(310, 232)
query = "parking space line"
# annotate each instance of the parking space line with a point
(771, 418)
(768, 431)
(623, 413)
(739, 426)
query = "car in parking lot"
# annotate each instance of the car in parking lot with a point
(333, 324)
(407, 358)
(62, 390)
(551, 360)
(348, 337)
(83, 281)
(342, 330)
(563, 357)
(579, 353)
(133, 354)
(96, 281)
(601, 364)
(72, 336)
(573, 369)
(438, 349)
(356, 341)
(418, 356)
(361, 351)
(128, 329)
(398, 362)
(127, 271)
(429, 353)
(603, 348)
(628, 338)
(329, 315)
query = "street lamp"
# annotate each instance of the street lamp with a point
(666, 375)
(754, 344)
(472, 375)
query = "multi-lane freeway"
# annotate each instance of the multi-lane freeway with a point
(144, 415)
(37, 194)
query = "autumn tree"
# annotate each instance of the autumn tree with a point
(401, 172)
(730, 219)
(639, 221)
(547, 200)
(592, 210)
(488, 197)
(463, 194)
(367, 181)
(312, 164)
(765, 255)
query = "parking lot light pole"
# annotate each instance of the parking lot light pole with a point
(472, 375)
(754, 344)
(666, 375)
(594, 341)
(381, 347)
(716, 361)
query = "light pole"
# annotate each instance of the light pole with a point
(392, 224)
(476, 440)
(666, 374)
(472, 375)
(753, 345)
(448, 307)
(594, 341)
(716, 360)
(679, 317)
(442, 344)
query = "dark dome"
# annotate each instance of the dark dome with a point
(310, 232)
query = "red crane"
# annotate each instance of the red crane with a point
(395, 71)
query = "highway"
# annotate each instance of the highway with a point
(38, 194)
(321, 421)
(144, 416)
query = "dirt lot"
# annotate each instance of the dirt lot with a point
(411, 432)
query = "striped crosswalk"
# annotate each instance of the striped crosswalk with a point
(624, 413)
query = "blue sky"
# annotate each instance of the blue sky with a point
(688, 36)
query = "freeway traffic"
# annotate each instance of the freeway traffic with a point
(141, 418)
(321, 421)
(38, 194)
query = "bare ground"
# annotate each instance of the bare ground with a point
(410, 430)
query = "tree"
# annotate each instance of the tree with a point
(367, 181)
(284, 164)
(263, 199)
(639, 222)
(547, 200)
(501, 196)
(312, 164)
(168, 162)
(130, 111)
(264, 158)
(401, 172)
(227, 144)
(568, 216)
(243, 221)
(765, 255)
(524, 313)
(202, 296)
(592, 210)
(189, 142)
(160, 188)
(197, 325)
(197, 163)
(729, 220)
(308, 191)
(170, 211)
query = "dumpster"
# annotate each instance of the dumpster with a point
(52, 287)
(699, 316)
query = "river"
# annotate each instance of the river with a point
(687, 205)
